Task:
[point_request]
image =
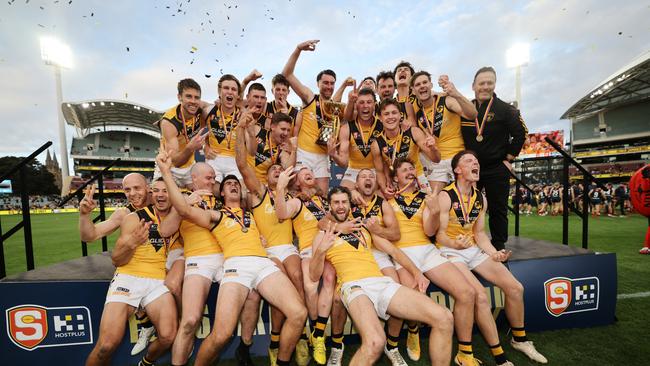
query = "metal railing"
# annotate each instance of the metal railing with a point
(515, 203)
(25, 223)
(79, 193)
(586, 179)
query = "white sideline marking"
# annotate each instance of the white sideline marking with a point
(634, 295)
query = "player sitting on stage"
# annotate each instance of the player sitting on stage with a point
(465, 243)
(368, 294)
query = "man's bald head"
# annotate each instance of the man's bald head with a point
(202, 176)
(136, 189)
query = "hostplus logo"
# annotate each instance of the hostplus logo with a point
(33, 326)
(565, 295)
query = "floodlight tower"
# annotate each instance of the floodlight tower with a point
(517, 56)
(57, 54)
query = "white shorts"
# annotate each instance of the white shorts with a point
(352, 173)
(209, 266)
(383, 260)
(173, 256)
(318, 163)
(223, 166)
(427, 164)
(306, 253)
(135, 291)
(248, 271)
(182, 176)
(472, 256)
(442, 172)
(380, 291)
(424, 183)
(425, 257)
(282, 252)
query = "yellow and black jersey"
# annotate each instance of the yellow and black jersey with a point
(373, 209)
(274, 232)
(186, 129)
(305, 221)
(237, 234)
(361, 138)
(312, 122)
(444, 124)
(130, 207)
(150, 257)
(222, 134)
(271, 109)
(408, 208)
(403, 101)
(352, 258)
(463, 213)
(266, 154)
(401, 146)
(198, 240)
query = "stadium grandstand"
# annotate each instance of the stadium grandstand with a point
(610, 130)
(107, 130)
(610, 125)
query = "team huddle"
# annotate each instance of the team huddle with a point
(258, 216)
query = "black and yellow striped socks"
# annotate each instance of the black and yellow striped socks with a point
(275, 340)
(498, 354)
(337, 340)
(319, 327)
(519, 334)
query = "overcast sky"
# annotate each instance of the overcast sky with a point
(574, 46)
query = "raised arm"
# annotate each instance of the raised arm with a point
(384, 186)
(390, 229)
(252, 76)
(427, 144)
(180, 156)
(305, 94)
(289, 152)
(338, 94)
(201, 217)
(339, 148)
(90, 231)
(285, 209)
(456, 102)
(250, 179)
(431, 213)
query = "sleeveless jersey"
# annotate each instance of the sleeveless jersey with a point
(185, 129)
(271, 109)
(150, 257)
(401, 146)
(444, 125)
(266, 154)
(310, 128)
(233, 240)
(198, 240)
(360, 141)
(463, 214)
(352, 258)
(275, 232)
(222, 134)
(305, 222)
(373, 210)
(408, 208)
(402, 101)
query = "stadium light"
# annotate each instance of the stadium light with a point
(517, 56)
(57, 54)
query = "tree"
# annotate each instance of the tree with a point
(38, 180)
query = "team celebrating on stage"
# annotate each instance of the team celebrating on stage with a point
(258, 216)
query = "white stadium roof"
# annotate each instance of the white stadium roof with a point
(110, 113)
(628, 85)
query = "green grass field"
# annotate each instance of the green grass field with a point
(56, 239)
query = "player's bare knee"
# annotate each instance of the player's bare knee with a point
(465, 294)
(106, 347)
(374, 344)
(516, 290)
(220, 338)
(189, 323)
(166, 335)
(482, 299)
(444, 321)
(329, 278)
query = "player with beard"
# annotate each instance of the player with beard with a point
(181, 131)
(140, 256)
(246, 268)
(305, 211)
(368, 295)
(385, 86)
(417, 213)
(379, 219)
(439, 115)
(309, 153)
(281, 89)
(462, 239)
(278, 235)
(221, 120)
(267, 147)
(356, 136)
(394, 143)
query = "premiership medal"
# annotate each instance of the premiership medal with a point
(244, 229)
(481, 126)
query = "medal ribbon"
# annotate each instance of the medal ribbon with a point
(244, 221)
(165, 240)
(465, 210)
(480, 127)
